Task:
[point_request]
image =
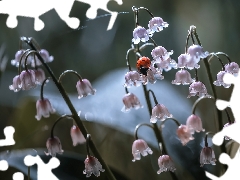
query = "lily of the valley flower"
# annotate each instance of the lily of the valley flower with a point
(159, 112)
(194, 123)
(130, 101)
(140, 34)
(140, 147)
(197, 88)
(232, 68)
(84, 88)
(165, 163)
(196, 52)
(219, 81)
(44, 108)
(184, 134)
(207, 156)
(92, 166)
(39, 76)
(132, 78)
(17, 85)
(182, 77)
(156, 24)
(77, 136)
(54, 146)
(159, 54)
(28, 79)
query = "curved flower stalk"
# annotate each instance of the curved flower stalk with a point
(92, 165)
(32, 59)
(34, 46)
(159, 111)
(53, 143)
(139, 146)
(83, 86)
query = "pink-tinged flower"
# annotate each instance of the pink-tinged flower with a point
(44, 108)
(132, 78)
(184, 134)
(196, 52)
(194, 123)
(18, 55)
(39, 76)
(183, 62)
(84, 88)
(197, 88)
(77, 136)
(166, 65)
(92, 166)
(182, 77)
(159, 112)
(232, 68)
(160, 54)
(140, 34)
(54, 146)
(130, 101)
(16, 86)
(153, 74)
(156, 24)
(28, 79)
(207, 156)
(140, 147)
(165, 163)
(219, 81)
(44, 54)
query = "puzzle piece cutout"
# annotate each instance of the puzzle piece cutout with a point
(44, 170)
(36, 8)
(231, 131)
(4, 167)
(8, 132)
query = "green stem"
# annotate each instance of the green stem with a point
(155, 127)
(75, 116)
(28, 172)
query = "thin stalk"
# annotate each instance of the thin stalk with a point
(28, 172)
(41, 91)
(75, 116)
(211, 57)
(155, 128)
(138, 126)
(69, 71)
(63, 116)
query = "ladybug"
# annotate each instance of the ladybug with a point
(143, 64)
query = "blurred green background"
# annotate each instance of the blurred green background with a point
(99, 56)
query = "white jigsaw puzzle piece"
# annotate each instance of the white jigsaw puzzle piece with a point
(36, 8)
(8, 132)
(232, 131)
(44, 170)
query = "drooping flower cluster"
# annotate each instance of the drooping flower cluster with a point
(28, 78)
(231, 68)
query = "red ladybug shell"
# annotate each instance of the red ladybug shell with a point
(143, 63)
